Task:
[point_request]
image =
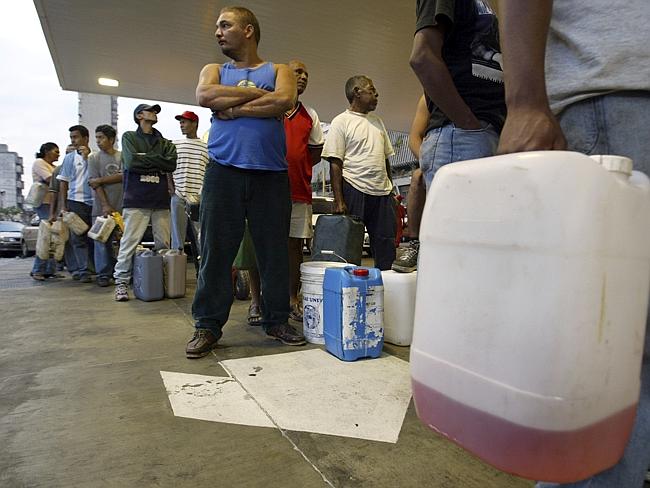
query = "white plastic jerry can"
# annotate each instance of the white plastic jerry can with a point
(102, 229)
(174, 272)
(75, 223)
(43, 239)
(399, 306)
(531, 306)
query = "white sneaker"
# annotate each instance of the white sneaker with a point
(121, 293)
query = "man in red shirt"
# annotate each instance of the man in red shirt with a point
(304, 146)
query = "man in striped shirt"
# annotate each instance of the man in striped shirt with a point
(188, 178)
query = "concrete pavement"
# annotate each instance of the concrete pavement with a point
(82, 404)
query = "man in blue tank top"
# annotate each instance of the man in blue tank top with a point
(246, 179)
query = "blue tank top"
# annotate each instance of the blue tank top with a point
(249, 142)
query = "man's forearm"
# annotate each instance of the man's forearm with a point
(270, 105)
(389, 173)
(530, 125)
(222, 97)
(523, 27)
(101, 194)
(336, 178)
(63, 194)
(437, 81)
(414, 146)
(54, 206)
(315, 154)
(110, 179)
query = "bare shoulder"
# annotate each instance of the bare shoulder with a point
(280, 67)
(210, 73)
(208, 68)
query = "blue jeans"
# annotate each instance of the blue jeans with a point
(79, 244)
(449, 144)
(179, 222)
(617, 124)
(230, 197)
(43, 266)
(104, 258)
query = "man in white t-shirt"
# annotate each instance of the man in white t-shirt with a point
(188, 178)
(357, 147)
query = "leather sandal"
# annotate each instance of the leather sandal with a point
(296, 312)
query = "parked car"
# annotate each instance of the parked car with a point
(10, 236)
(28, 237)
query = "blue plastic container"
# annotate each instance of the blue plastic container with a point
(353, 312)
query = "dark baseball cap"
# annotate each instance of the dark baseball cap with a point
(147, 107)
(188, 115)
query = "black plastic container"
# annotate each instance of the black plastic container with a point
(341, 234)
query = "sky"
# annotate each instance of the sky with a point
(34, 108)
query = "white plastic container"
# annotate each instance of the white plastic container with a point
(174, 272)
(102, 228)
(399, 306)
(312, 274)
(59, 235)
(75, 223)
(43, 239)
(37, 193)
(531, 307)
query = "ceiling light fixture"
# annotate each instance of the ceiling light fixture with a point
(108, 82)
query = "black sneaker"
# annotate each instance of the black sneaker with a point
(407, 262)
(103, 281)
(202, 342)
(286, 335)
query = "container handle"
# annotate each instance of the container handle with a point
(330, 252)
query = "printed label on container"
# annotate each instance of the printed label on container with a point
(363, 327)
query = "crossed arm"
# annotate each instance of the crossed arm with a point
(230, 102)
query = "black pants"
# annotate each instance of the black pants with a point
(231, 196)
(378, 214)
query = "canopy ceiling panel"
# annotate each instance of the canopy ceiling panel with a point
(156, 48)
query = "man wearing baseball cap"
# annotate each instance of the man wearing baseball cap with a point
(188, 178)
(147, 157)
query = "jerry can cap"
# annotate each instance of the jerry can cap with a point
(618, 164)
(360, 272)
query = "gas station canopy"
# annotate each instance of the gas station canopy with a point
(155, 49)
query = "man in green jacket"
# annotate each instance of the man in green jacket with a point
(147, 159)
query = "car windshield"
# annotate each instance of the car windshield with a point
(10, 226)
